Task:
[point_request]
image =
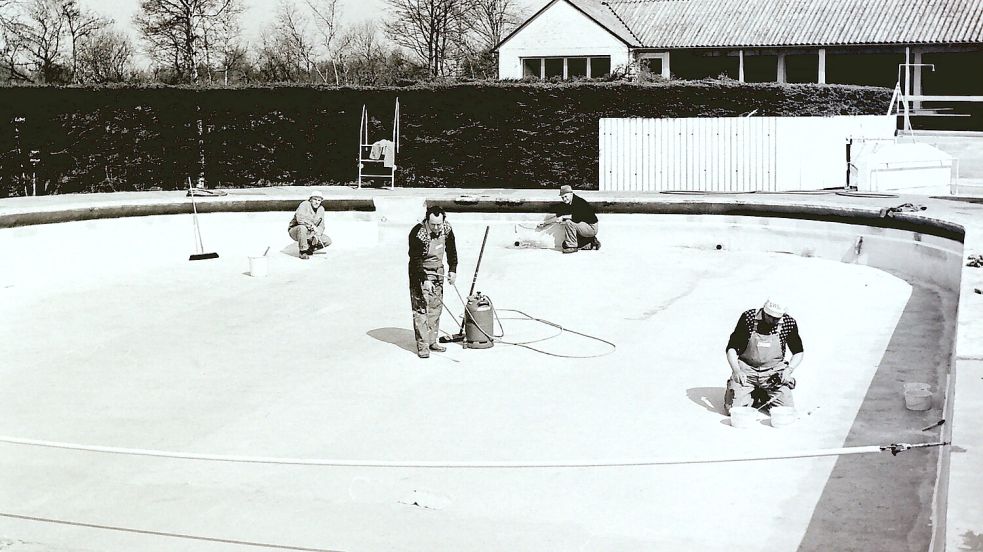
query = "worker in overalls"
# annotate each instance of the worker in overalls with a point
(756, 353)
(307, 226)
(429, 241)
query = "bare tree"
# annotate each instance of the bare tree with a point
(13, 46)
(176, 31)
(224, 50)
(105, 56)
(289, 51)
(42, 33)
(79, 24)
(491, 20)
(430, 29)
(325, 14)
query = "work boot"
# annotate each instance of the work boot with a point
(423, 353)
(437, 347)
(570, 250)
(304, 255)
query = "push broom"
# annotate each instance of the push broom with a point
(200, 255)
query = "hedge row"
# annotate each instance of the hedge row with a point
(466, 135)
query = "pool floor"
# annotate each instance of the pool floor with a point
(117, 340)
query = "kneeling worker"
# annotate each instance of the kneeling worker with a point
(579, 222)
(429, 241)
(307, 226)
(756, 354)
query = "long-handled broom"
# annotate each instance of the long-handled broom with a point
(200, 255)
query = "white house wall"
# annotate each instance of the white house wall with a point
(560, 31)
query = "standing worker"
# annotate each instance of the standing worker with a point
(579, 222)
(756, 354)
(307, 226)
(429, 240)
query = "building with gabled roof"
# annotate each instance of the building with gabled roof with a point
(825, 41)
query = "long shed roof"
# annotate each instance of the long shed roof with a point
(750, 23)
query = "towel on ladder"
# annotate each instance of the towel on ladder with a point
(383, 149)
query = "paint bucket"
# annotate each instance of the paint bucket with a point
(259, 266)
(917, 397)
(782, 416)
(743, 416)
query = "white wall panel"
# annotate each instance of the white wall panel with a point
(731, 153)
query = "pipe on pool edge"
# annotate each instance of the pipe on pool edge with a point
(204, 205)
(838, 214)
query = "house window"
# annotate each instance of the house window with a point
(655, 64)
(566, 67)
(576, 67)
(532, 67)
(600, 66)
(554, 68)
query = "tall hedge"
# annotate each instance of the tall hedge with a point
(465, 135)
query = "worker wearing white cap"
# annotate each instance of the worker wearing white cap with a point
(579, 222)
(760, 375)
(307, 226)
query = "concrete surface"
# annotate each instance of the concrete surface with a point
(120, 341)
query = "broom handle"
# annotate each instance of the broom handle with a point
(194, 209)
(478, 266)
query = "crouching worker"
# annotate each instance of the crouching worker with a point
(307, 226)
(429, 241)
(760, 374)
(579, 222)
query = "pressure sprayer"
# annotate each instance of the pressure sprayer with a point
(477, 326)
(479, 318)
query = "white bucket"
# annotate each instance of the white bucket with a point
(259, 266)
(782, 416)
(743, 416)
(917, 398)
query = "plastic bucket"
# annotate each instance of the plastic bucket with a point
(917, 399)
(259, 266)
(782, 416)
(743, 416)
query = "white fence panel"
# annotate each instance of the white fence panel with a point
(730, 153)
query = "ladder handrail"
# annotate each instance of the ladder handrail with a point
(363, 142)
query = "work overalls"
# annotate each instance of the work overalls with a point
(427, 306)
(762, 359)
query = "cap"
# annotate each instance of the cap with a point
(317, 193)
(774, 309)
(566, 189)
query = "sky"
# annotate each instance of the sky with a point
(259, 13)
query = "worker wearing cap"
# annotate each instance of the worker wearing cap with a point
(756, 354)
(307, 226)
(429, 241)
(579, 222)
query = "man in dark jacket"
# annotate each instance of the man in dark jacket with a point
(756, 354)
(429, 241)
(579, 222)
